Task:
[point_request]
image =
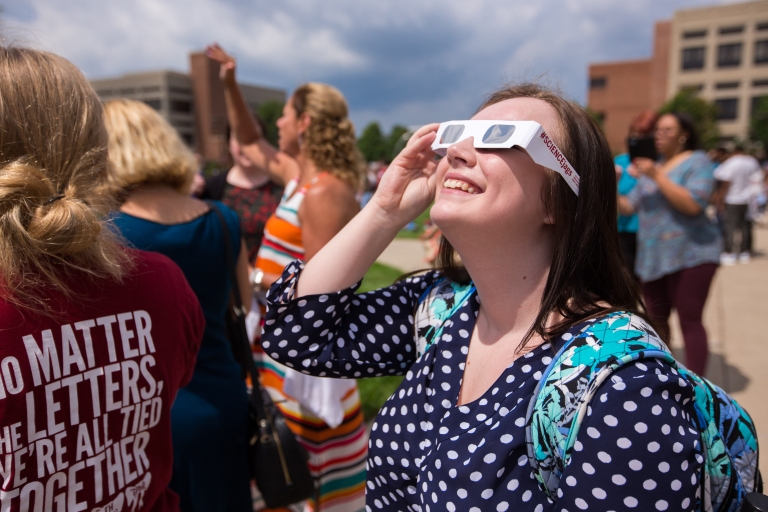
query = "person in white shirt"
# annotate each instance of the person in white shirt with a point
(737, 175)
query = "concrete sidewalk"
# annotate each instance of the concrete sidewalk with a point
(734, 316)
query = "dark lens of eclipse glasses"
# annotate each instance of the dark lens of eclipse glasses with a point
(452, 133)
(498, 134)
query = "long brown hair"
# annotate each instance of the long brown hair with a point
(330, 139)
(588, 275)
(53, 200)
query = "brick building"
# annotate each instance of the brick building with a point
(193, 103)
(720, 52)
(618, 91)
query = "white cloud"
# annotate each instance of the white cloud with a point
(397, 60)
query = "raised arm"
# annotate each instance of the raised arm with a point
(343, 334)
(406, 189)
(280, 166)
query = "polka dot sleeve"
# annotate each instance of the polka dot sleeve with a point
(638, 448)
(343, 334)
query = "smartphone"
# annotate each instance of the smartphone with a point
(642, 147)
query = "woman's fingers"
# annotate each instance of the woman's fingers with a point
(432, 127)
(217, 53)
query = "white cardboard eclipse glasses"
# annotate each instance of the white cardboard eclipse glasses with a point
(528, 135)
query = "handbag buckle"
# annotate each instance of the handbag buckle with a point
(265, 437)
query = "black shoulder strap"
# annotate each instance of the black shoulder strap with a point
(241, 349)
(214, 186)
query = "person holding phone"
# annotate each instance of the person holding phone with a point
(678, 247)
(640, 143)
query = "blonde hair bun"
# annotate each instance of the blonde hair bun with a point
(53, 172)
(34, 214)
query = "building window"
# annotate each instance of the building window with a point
(187, 137)
(151, 88)
(692, 88)
(180, 90)
(731, 30)
(155, 103)
(727, 109)
(761, 52)
(727, 85)
(693, 58)
(760, 83)
(127, 91)
(181, 106)
(755, 103)
(598, 82)
(762, 26)
(729, 55)
(694, 34)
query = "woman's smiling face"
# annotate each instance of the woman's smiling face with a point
(502, 190)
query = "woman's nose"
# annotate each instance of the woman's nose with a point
(462, 153)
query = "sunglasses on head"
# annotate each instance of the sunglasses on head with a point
(528, 135)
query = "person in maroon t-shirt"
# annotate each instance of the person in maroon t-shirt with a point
(95, 339)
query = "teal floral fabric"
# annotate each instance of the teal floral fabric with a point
(589, 357)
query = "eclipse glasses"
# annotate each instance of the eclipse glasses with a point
(528, 135)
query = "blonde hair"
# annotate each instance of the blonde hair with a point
(52, 179)
(144, 149)
(330, 139)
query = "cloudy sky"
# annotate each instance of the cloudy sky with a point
(397, 61)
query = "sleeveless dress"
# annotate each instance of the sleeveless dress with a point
(209, 417)
(337, 455)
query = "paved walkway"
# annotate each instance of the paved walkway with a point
(734, 316)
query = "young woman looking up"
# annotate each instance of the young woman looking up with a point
(537, 262)
(95, 339)
(318, 161)
(678, 248)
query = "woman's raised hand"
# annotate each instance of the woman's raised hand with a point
(408, 185)
(228, 64)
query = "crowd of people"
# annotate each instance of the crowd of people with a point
(536, 374)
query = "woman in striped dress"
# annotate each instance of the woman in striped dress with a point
(318, 161)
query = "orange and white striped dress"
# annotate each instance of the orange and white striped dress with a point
(337, 455)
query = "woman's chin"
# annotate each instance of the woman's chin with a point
(446, 214)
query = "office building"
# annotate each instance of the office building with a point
(193, 103)
(720, 53)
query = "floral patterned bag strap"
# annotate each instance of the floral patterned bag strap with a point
(591, 351)
(436, 305)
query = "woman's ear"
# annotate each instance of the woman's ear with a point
(303, 122)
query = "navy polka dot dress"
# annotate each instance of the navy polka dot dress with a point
(638, 448)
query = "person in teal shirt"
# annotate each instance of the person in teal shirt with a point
(642, 126)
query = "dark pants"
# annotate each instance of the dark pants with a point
(686, 291)
(628, 244)
(736, 220)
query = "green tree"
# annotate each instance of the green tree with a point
(596, 116)
(372, 142)
(758, 129)
(395, 142)
(702, 112)
(270, 112)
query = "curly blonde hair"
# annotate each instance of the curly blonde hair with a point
(330, 139)
(53, 160)
(144, 149)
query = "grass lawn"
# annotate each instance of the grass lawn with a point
(374, 392)
(418, 224)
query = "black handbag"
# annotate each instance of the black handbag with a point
(278, 462)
